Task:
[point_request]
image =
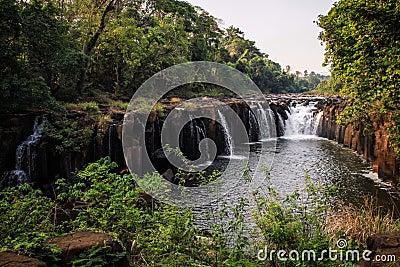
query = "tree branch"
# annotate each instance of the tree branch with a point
(88, 49)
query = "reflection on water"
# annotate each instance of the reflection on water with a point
(329, 163)
(290, 159)
(323, 160)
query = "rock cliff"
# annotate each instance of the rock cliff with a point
(372, 143)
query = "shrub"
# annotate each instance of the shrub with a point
(295, 221)
(26, 217)
(357, 224)
(162, 235)
(91, 107)
(119, 105)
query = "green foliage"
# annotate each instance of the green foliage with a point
(111, 198)
(296, 221)
(26, 222)
(78, 50)
(90, 107)
(156, 234)
(98, 256)
(119, 105)
(37, 61)
(363, 49)
(68, 136)
(327, 87)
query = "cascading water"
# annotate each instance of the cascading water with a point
(281, 125)
(271, 123)
(254, 131)
(227, 135)
(299, 154)
(200, 132)
(302, 119)
(197, 133)
(266, 122)
(26, 155)
(112, 136)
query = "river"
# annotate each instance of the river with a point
(298, 153)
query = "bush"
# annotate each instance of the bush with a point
(91, 107)
(67, 135)
(156, 234)
(27, 220)
(295, 222)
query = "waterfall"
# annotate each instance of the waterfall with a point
(227, 135)
(266, 122)
(254, 131)
(200, 132)
(281, 125)
(302, 120)
(271, 123)
(26, 155)
(192, 129)
(112, 136)
(197, 131)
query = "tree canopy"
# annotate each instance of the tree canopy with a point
(363, 48)
(65, 50)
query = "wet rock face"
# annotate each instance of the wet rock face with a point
(280, 108)
(373, 144)
(14, 129)
(107, 139)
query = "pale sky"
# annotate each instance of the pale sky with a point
(283, 29)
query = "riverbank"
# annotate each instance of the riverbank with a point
(100, 218)
(370, 141)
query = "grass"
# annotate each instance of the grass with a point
(142, 105)
(91, 107)
(119, 105)
(189, 106)
(359, 223)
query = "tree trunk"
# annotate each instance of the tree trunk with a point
(88, 49)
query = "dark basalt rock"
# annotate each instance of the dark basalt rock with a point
(14, 128)
(106, 140)
(372, 143)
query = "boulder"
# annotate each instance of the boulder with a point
(385, 249)
(11, 259)
(74, 244)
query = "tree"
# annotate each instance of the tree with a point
(11, 48)
(91, 43)
(37, 59)
(363, 47)
(313, 80)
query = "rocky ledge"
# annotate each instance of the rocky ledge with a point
(372, 143)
